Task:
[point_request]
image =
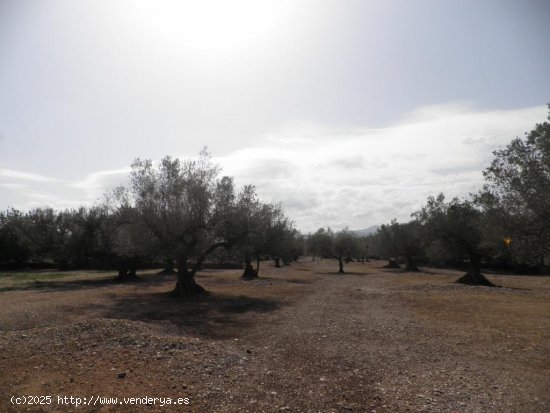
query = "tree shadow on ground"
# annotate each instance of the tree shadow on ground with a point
(280, 280)
(214, 315)
(339, 274)
(68, 285)
(398, 270)
(296, 281)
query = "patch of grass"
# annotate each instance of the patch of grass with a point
(33, 275)
(37, 279)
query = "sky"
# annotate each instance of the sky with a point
(349, 113)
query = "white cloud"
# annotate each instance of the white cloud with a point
(361, 177)
(95, 184)
(41, 191)
(24, 176)
(324, 175)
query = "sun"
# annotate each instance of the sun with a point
(213, 26)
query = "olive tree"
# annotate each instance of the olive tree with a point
(15, 251)
(339, 245)
(251, 216)
(363, 245)
(128, 238)
(517, 193)
(188, 209)
(268, 232)
(458, 226)
(401, 240)
(386, 243)
(280, 237)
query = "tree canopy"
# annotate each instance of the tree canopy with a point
(339, 245)
(186, 212)
(192, 212)
(517, 191)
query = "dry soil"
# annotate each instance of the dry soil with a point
(300, 339)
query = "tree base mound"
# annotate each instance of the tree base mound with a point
(475, 278)
(167, 271)
(127, 278)
(194, 290)
(392, 264)
(249, 273)
(253, 276)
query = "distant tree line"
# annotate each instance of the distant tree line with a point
(506, 225)
(174, 213)
(183, 214)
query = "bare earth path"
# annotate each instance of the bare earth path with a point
(302, 339)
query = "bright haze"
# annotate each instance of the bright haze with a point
(349, 113)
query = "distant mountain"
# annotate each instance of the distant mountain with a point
(367, 231)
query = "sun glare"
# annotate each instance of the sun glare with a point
(212, 26)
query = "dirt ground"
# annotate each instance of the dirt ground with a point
(300, 339)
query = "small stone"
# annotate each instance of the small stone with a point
(121, 375)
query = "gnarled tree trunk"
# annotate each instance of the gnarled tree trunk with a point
(474, 275)
(411, 264)
(392, 263)
(186, 285)
(249, 272)
(127, 272)
(168, 267)
(340, 265)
